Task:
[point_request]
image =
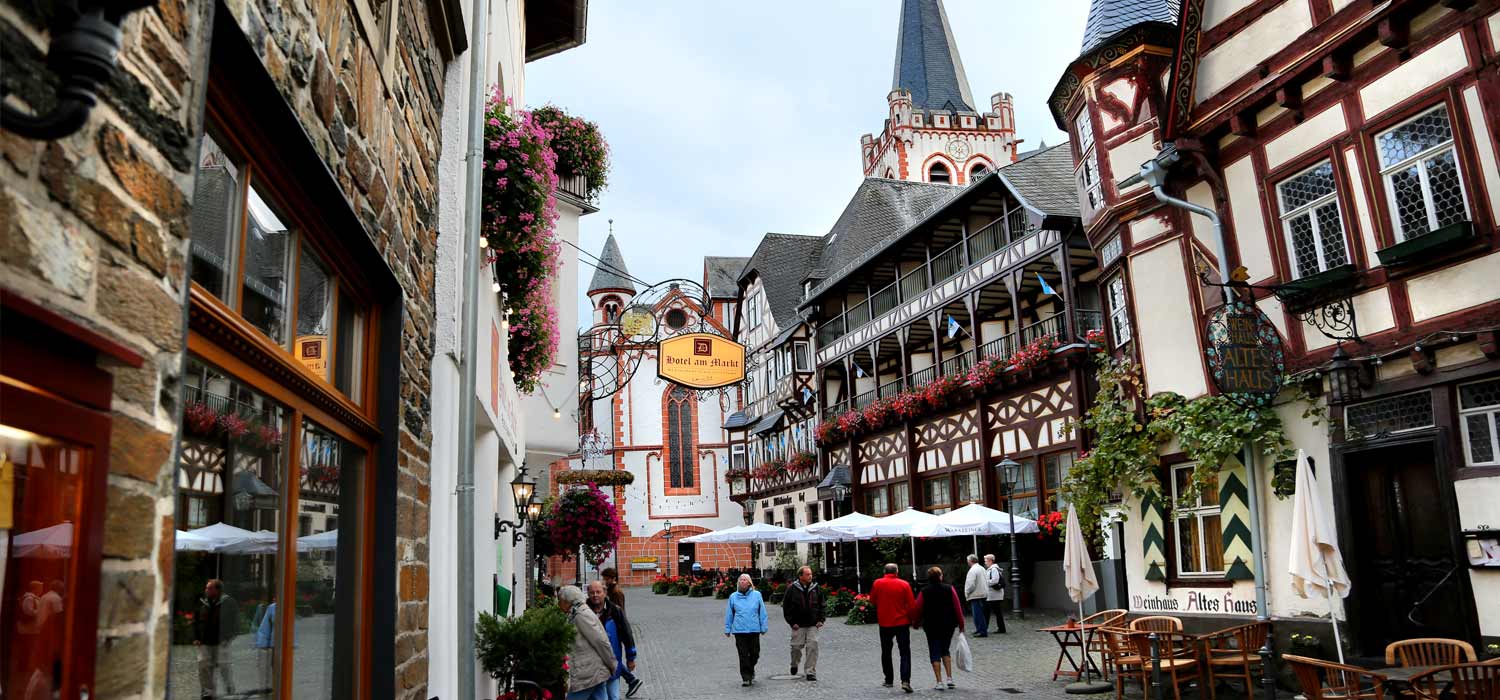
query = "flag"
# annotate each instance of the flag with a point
(859, 371)
(1046, 288)
(953, 327)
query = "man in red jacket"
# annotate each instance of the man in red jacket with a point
(893, 606)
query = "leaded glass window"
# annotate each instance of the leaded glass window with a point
(1389, 415)
(1420, 168)
(1310, 218)
(681, 447)
(1119, 312)
(1479, 412)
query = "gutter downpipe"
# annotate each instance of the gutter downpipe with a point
(1154, 173)
(464, 486)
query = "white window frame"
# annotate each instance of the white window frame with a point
(802, 355)
(1110, 251)
(1421, 160)
(1083, 127)
(1119, 311)
(752, 311)
(737, 457)
(1088, 178)
(1492, 411)
(1198, 513)
(1310, 210)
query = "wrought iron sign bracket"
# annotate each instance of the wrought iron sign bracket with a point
(1330, 312)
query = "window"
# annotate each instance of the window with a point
(1389, 415)
(940, 173)
(875, 501)
(770, 519)
(1311, 221)
(676, 319)
(970, 487)
(1479, 409)
(1089, 182)
(1110, 251)
(1026, 501)
(1055, 468)
(802, 354)
(900, 497)
(936, 495)
(1083, 127)
(790, 513)
(1200, 551)
(812, 513)
(737, 457)
(1119, 311)
(681, 446)
(978, 171)
(752, 311)
(1422, 180)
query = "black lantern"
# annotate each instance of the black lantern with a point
(521, 490)
(1009, 471)
(1343, 379)
(524, 494)
(534, 509)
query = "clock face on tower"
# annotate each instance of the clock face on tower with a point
(959, 150)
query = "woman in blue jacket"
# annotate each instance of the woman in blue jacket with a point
(745, 618)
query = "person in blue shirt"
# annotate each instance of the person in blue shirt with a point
(621, 637)
(745, 619)
(265, 642)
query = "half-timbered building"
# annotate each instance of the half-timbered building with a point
(1348, 149)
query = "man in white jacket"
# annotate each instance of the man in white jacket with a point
(995, 578)
(976, 592)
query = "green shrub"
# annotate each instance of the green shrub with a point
(840, 602)
(529, 647)
(862, 612)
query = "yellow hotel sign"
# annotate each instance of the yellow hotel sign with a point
(701, 361)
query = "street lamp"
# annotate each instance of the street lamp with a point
(523, 493)
(1343, 379)
(1010, 476)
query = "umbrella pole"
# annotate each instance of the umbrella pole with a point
(976, 544)
(1338, 644)
(857, 580)
(913, 557)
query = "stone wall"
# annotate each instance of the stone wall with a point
(94, 227)
(373, 115)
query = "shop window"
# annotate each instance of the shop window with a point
(681, 437)
(900, 497)
(1479, 410)
(217, 193)
(1200, 549)
(875, 501)
(1311, 221)
(937, 495)
(1025, 500)
(1119, 310)
(970, 487)
(1420, 168)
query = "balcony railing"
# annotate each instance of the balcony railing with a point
(987, 241)
(1052, 325)
(891, 388)
(863, 400)
(835, 408)
(922, 376)
(1004, 346)
(958, 364)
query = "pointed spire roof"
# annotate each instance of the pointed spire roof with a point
(610, 272)
(927, 62)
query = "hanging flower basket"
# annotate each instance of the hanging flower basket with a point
(580, 147)
(602, 477)
(581, 518)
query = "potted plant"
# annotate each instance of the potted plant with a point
(532, 648)
(661, 585)
(679, 586)
(1306, 645)
(861, 611)
(840, 602)
(723, 590)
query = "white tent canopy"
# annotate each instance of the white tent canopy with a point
(840, 529)
(898, 525)
(757, 532)
(259, 542)
(221, 535)
(972, 519)
(52, 542)
(191, 541)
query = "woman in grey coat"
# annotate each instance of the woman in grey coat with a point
(591, 663)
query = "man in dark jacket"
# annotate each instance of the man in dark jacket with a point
(621, 637)
(214, 626)
(803, 608)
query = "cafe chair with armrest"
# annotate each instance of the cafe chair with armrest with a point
(1325, 680)
(1096, 642)
(1470, 681)
(1235, 653)
(1429, 651)
(1156, 623)
(1179, 657)
(1121, 655)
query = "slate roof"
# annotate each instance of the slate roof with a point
(740, 420)
(1044, 181)
(783, 260)
(879, 212)
(1110, 17)
(606, 272)
(722, 276)
(927, 61)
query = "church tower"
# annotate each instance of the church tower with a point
(932, 131)
(610, 290)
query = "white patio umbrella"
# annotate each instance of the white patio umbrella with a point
(1078, 576)
(840, 529)
(51, 542)
(259, 542)
(973, 520)
(756, 532)
(190, 541)
(222, 535)
(319, 542)
(898, 525)
(1316, 563)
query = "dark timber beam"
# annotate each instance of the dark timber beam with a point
(1338, 66)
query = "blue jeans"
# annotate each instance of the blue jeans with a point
(981, 618)
(598, 692)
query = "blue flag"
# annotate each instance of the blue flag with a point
(1046, 288)
(953, 327)
(859, 371)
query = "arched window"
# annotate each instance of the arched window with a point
(681, 440)
(890, 174)
(611, 309)
(978, 171)
(939, 173)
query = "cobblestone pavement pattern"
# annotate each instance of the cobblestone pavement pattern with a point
(683, 655)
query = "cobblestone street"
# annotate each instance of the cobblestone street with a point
(683, 654)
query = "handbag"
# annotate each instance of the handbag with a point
(962, 657)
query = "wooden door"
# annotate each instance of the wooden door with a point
(686, 555)
(1404, 568)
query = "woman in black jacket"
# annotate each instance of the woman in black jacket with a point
(940, 613)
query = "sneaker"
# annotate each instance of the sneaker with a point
(906, 686)
(938, 687)
(951, 684)
(635, 687)
(982, 634)
(812, 676)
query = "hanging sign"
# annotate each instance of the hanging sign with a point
(701, 361)
(312, 352)
(1245, 354)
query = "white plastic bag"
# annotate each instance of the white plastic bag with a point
(962, 658)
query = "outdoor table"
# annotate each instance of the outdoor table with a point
(1069, 638)
(1398, 678)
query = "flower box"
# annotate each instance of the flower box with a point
(1428, 246)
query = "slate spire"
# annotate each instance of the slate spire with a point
(608, 272)
(927, 61)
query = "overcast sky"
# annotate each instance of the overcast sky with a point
(727, 119)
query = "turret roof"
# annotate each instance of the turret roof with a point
(610, 272)
(1110, 17)
(721, 276)
(927, 61)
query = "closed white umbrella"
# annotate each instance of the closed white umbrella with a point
(1316, 563)
(1078, 576)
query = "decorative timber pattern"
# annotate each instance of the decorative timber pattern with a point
(949, 441)
(1234, 518)
(882, 457)
(1154, 544)
(201, 468)
(1029, 421)
(1185, 68)
(1017, 253)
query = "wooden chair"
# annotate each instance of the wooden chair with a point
(1179, 657)
(1234, 653)
(1156, 623)
(1470, 681)
(1096, 642)
(1429, 651)
(1120, 655)
(1325, 680)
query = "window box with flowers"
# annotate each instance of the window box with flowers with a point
(582, 152)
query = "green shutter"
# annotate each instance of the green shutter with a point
(1154, 546)
(1234, 519)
